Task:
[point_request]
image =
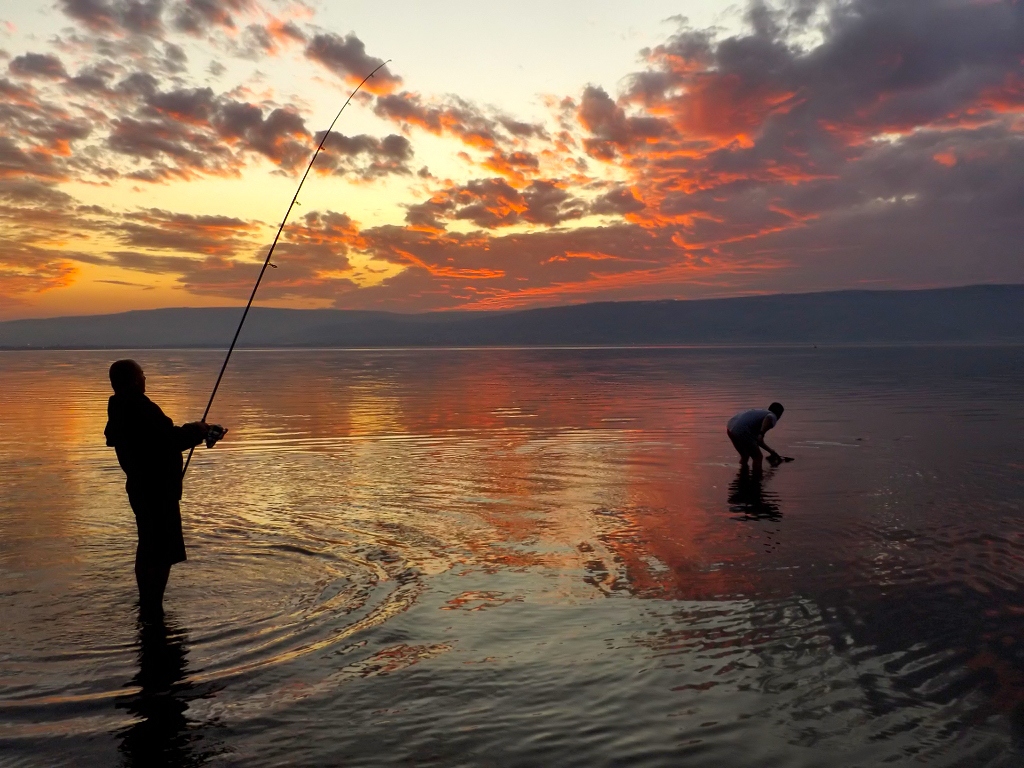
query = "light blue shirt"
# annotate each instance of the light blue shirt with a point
(749, 422)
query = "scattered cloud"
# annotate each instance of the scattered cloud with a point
(37, 65)
(346, 57)
(366, 157)
(116, 16)
(197, 17)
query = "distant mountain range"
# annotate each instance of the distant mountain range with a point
(977, 314)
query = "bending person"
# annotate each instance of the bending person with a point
(149, 447)
(747, 430)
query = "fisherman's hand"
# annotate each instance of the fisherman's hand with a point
(202, 427)
(214, 433)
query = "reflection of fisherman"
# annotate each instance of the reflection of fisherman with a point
(149, 450)
(747, 430)
(162, 733)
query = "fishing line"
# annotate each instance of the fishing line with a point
(270, 253)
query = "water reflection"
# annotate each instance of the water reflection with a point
(748, 497)
(410, 573)
(163, 733)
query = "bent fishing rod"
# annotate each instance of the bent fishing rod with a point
(266, 262)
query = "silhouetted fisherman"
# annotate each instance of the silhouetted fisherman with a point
(747, 430)
(149, 450)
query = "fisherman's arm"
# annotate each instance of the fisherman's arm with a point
(189, 435)
(163, 432)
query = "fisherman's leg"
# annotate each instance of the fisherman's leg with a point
(758, 458)
(151, 578)
(140, 577)
(146, 579)
(161, 573)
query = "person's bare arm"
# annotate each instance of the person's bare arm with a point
(765, 426)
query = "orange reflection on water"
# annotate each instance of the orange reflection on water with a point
(513, 465)
(493, 459)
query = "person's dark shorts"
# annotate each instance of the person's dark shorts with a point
(745, 444)
(159, 525)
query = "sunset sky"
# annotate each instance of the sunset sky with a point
(545, 153)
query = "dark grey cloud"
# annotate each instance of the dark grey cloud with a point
(197, 129)
(38, 136)
(136, 16)
(611, 128)
(93, 79)
(127, 284)
(549, 204)
(347, 58)
(189, 105)
(259, 40)
(366, 156)
(457, 117)
(138, 261)
(311, 258)
(281, 135)
(197, 17)
(494, 203)
(521, 129)
(175, 58)
(31, 192)
(37, 65)
(139, 84)
(188, 233)
(617, 202)
(152, 139)
(155, 18)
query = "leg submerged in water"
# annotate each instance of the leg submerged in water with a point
(151, 579)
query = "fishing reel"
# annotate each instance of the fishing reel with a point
(215, 433)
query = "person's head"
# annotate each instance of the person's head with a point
(126, 376)
(777, 409)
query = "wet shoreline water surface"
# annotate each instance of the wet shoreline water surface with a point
(525, 557)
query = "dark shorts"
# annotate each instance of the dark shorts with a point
(746, 445)
(159, 525)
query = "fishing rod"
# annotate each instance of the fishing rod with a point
(266, 262)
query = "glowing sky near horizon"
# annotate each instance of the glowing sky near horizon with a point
(541, 153)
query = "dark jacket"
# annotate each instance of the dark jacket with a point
(148, 446)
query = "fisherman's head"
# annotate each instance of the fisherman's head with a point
(126, 377)
(777, 409)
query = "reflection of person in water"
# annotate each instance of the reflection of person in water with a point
(747, 430)
(747, 495)
(149, 450)
(163, 734)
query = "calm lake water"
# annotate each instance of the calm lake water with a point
(525, 558)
